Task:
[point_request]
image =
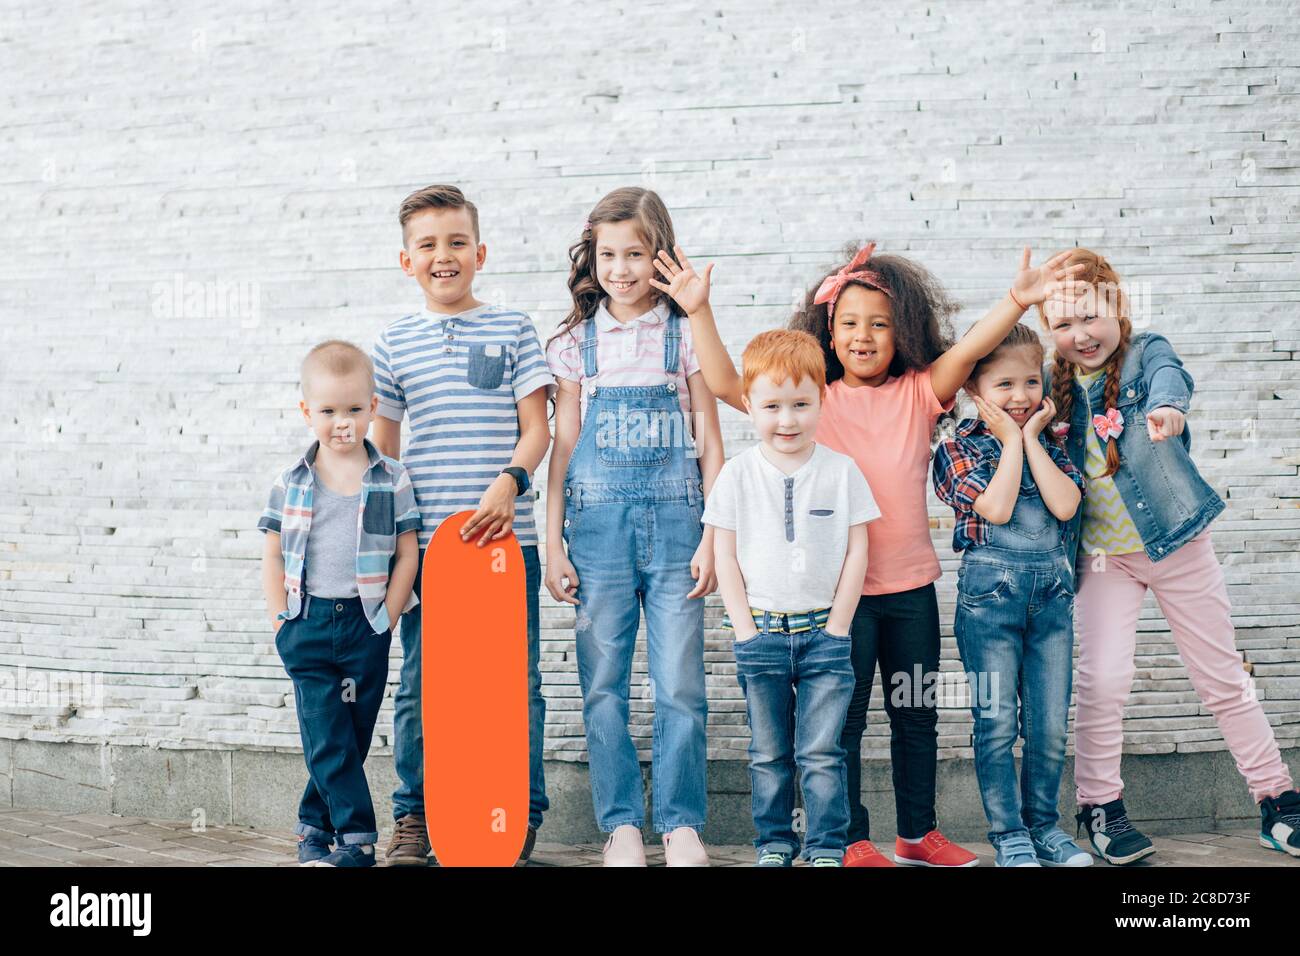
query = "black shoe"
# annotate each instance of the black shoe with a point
(1280, 824)
(1111, 834)
(529, 842)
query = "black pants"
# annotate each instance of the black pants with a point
(901, 632)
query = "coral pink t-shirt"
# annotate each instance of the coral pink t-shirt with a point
(886, 430)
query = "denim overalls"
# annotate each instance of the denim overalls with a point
(633, 504)
(1015, 632)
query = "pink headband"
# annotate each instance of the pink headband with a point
(831, 288)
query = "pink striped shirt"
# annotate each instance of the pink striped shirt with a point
(629, 353)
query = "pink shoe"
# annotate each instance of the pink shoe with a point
(624, 847)
(682, 847)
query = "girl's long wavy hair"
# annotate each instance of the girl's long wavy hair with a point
(647, 210)
(1104, 280)
(922, 317)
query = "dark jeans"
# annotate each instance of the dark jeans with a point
(339, 667)
(901, 632)
(408, 723)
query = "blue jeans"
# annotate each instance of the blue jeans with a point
(1015, 632)
(630, 551)
(408, 726)
(797, 690)
(327, 645)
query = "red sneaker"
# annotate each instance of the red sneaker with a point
(933, 850)
(863, 853)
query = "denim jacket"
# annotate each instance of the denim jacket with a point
(1168, 500)
(387, 509)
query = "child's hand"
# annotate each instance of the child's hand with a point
(1048, 281)
(702, 570)
(687, 288)
(1165, 422)
(1039, 420)
(496, 512)
(558, 569)
(999, 422)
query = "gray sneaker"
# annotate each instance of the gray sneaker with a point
(1055, 848)
(1015, 850)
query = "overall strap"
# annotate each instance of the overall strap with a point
(672, 344)
(589, 368)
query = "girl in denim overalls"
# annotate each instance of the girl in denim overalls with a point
(626, 493)
(1011, 490)
(1122, 401)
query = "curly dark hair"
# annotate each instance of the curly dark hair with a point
(921, 308)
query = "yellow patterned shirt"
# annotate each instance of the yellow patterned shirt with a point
(1107, 527)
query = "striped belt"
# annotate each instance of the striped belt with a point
(785, 622)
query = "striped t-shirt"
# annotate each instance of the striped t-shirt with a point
(459, 379)
(1108, 528)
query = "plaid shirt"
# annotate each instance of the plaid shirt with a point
(964, 466)
(387, 510)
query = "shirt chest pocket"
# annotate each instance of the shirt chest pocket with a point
(487, 365)
(378, 518)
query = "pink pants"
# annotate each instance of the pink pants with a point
(1190, 590)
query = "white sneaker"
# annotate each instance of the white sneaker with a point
(682, 847)
(624, 847)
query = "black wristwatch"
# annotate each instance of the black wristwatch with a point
(520, 476)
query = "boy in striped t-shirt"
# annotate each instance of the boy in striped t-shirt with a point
(473, 380)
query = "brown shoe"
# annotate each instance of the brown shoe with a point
(529, 842)
(410, 843)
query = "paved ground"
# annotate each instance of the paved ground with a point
(44, 838)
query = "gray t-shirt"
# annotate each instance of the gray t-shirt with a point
(330, 565)
(792, 531)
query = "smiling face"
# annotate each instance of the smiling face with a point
(863, 335)
(339, 409)
(1013, 381)
(624, 268)
(443, 255)
(1085, 331)
(784, 415)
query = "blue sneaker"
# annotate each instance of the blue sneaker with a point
(1111, 834)
(825, 861)
(776, 854)
(1280, 822)
(311, 849)
(350, 854)
(1016, 850)
(1055, 848)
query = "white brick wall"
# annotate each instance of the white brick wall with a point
(267, 149)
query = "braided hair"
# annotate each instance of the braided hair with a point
(1101, 275)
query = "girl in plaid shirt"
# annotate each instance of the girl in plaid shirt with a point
(1012, 490)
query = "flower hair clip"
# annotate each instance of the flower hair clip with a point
(1109, 425)
(1060, 429)
(586, 226)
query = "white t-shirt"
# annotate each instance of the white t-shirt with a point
(792, 532)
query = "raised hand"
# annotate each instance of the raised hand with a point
(1052, 279)
(687, 288)
(1165, 422)
(1039, 420)
(1000, 424)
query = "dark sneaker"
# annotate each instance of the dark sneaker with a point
(529, 842)
(410, 843)
(311, 849)
(1112, 836)
(1280, 822)
(350, 855)
(775, 855)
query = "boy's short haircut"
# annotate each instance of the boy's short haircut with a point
(336, 358)
(436, 197)
(782, 354)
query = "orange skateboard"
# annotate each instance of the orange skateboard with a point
(474, 697)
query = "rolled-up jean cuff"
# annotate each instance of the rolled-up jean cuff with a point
(778, 846)
(307, 830)
(639, 824)
(358, 839)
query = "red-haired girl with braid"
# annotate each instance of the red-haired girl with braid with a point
(1122, 399)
